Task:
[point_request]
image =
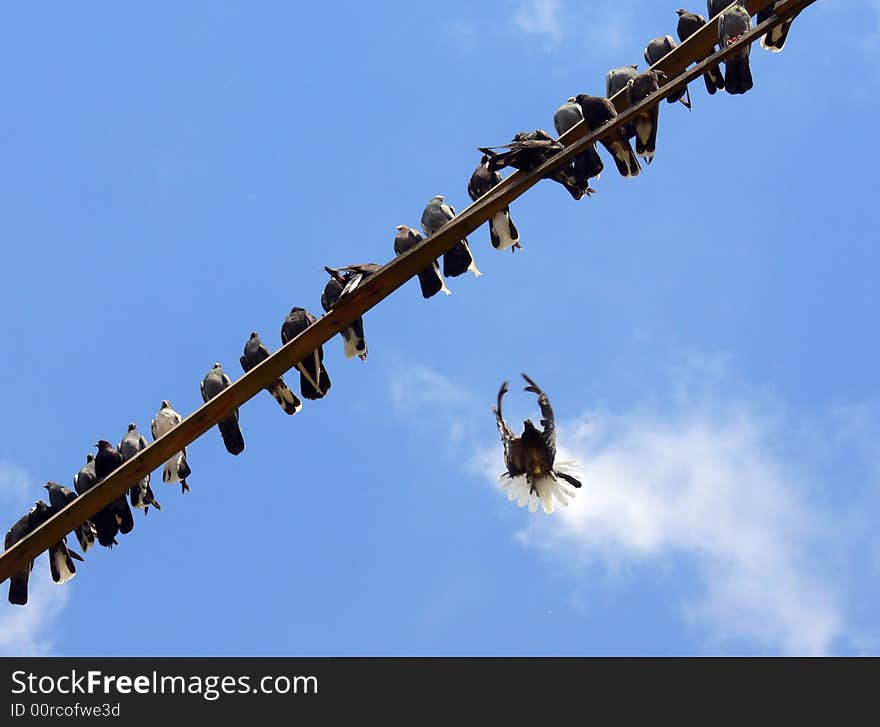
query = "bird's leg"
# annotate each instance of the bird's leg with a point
(184, 487)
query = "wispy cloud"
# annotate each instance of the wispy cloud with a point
(16, 484)
(540, 19)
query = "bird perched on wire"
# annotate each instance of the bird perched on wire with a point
(530, 149)
(637, 90)
(502, 231)
(688, 24)
(615, 82)
(774, 40)
(588, 164)
(176, 468)
(459, 259)
(24, 526)
(61, 558)
(106, 461)
(532, 471)
(314, 381)
(59, 497)
(214, 382)
(597, 112)
(255, 352)
(430, 280)
(342, 282)
(104, 521)
(733, 23)
(657, 49)
(140, 494)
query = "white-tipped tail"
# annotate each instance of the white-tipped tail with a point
(64, 573)
(169, 474)
(546, 491)
(443, 287)
(351, 344)
(501, 227)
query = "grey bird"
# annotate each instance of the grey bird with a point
(615, 82)
(342, 282)
(502, 232)
(654, 52)
(733, 23)
(597, 112)
(530, 149)
(176, 469)
(24, 526)
(104, 521)
(637, 90)
(107, 460)
(141, 494)
(314, 381)
(459, 259)
(62, 567)
(255, 352)
(532, 473)
(214, 382)
(59, 497)
(688, 24)
(774, 41)
(430, 280)
(587, 165)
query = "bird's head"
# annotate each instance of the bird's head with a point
(400, 228)
(254, 334)
(132, 426)
(165, 404)
(216, 366)
(90, 457)
(438, 198)
(50, 485)
(529, 427)
(103, 444)
(634, 66)
(680, 12)
(571, 99)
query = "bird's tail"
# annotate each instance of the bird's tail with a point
(61, 565)
(624, 158)
(314, 382)
(459, 260)
(150, 499)
(355, 343)
(18, 587)
(85, 535)
(775, 40)
(106, 525)
(714, 80)
(646, 134)
(567, 178)
(737, 75)
(231, 433)
(285, 397)
(588, 166)
(431, 282)
(124, 516)
(502, 231)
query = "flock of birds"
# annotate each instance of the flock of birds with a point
(532, 475)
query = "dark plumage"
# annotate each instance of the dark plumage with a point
(654, 52)
(733, 23)
(637, 90)
(140, 494)
(774, 40)
(59, 497)
(688, 24)
(459, 259)
(24, 526)
(104, 521)
(214, 382)
(314, 381)
(531, 458)
(430, 279)
(342, 282)
(587, 165)
(530, 149)
(597, 112)
(255, 352)
(502, 231)
(615, 82)
(106, 461)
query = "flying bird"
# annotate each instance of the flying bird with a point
(59, 497)
(530, 149)
(459, 259)
(774, 40)
(24, 526)
(106, 460)
(657, 49)
(141, 494)
(255, 352)
(502, 231)
(587, 165)
(637, 90)
(597, 112)
(314, 381)
(342, 282)
(733, 23)
(214, 382)
(104, 521)
(430, 279)
(532, 471)
(176, 468)
(688, 24)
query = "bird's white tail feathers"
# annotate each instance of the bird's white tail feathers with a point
(351, 343)
(59, 559)
(546, 490)
(443, 287)
(169, 474)
(501, 226)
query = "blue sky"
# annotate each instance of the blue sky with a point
(176, 175)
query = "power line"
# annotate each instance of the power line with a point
(381, 284)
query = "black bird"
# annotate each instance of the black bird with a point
(459, 259)
(24, 526)
(688, 24)
(104, 521)
(214, 382)
(342, 282)
(597, 112)
(430, 279)
(733, 23)
(530, 149)
(774, 40)
(654, 51)
(314, 381)
(59, 497)
(255, 352)
(61, 559)
(106, 461)
(141, 494)
(587, 165)
(502, 231)
(176, 469)
(637, 90)
(531, 458)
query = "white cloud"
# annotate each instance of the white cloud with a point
(429, 398)
(28, 630)
(541, 19)
(16, 484)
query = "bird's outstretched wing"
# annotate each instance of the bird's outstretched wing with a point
(548, 421)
